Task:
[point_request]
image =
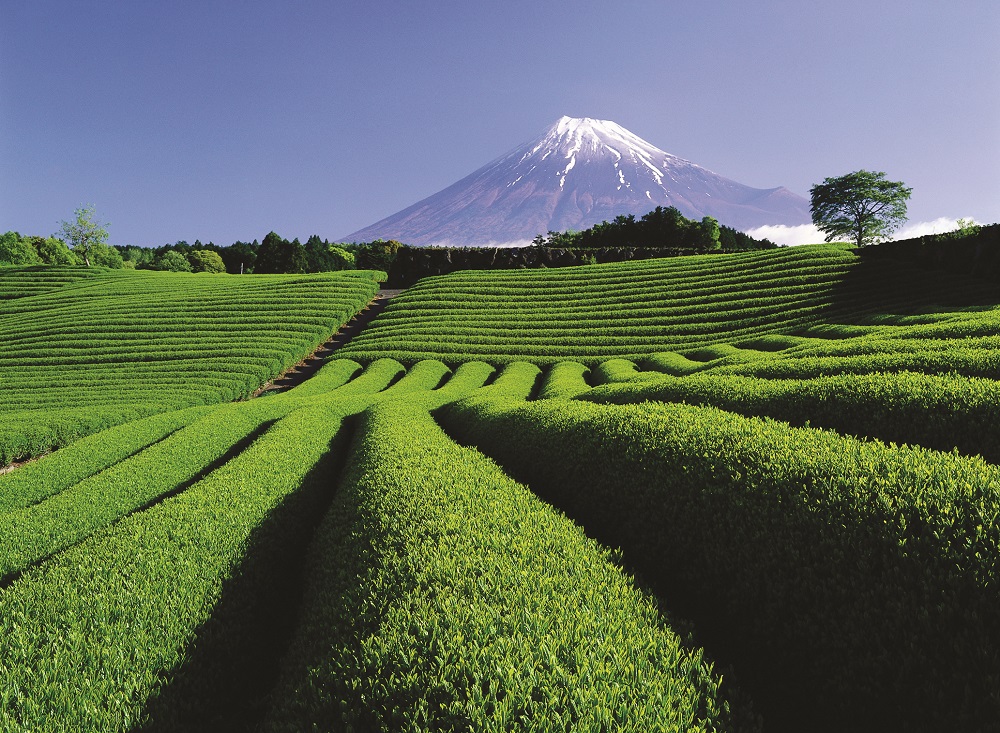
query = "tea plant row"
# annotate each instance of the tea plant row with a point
(86, 349)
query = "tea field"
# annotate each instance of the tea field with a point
(752, 492)
(85, 349)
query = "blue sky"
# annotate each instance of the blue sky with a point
(221, 120)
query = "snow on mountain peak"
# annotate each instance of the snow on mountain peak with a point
(579, 131)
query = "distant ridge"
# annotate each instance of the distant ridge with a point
(578, 173)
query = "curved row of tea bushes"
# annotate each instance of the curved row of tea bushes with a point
(564, 380)
(54, 502)
(133, 604)
(940, 412)
(633, 310)
(23, 282)
(443, 596)
(118, 345)
(958, 359)
(28, 433)
(201, 666)
(34, 532)
(855, 583)
(37, 480)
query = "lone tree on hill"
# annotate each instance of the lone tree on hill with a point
(861, 206)
(84, 234)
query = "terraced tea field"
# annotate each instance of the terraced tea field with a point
(795, 452)
(85, 349)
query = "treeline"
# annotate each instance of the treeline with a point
(16, 249)
(662, 227)
(662, 232)
(972, 251)
(273, 255)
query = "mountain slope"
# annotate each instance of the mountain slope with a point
(580, 172)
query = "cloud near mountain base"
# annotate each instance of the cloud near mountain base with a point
(809, 234)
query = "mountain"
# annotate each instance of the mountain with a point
(578, 173)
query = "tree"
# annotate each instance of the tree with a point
(205, 260)
(104, 255)
(240, 257)
(172, 261)
(277, 255)
(704, 235)
(15, 250)
(862, 206)
(341, 258)
(84, 233)
(142, 258)
(377, 255)
(53, 251)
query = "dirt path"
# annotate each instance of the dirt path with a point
(312, 363)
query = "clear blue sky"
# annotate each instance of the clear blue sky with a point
(223, 120)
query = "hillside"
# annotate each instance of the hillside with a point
(795, 451)
(86, 348)
(709, 311)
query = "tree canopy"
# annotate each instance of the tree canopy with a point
(861, 206)
(278, 255)
(664, 226)
(84, 233)
(205, 260)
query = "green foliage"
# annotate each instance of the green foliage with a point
(325, 257)
(84, 233)
(861, 206)
(129, 599)
(54, 251)
(14, 250)
(877, 563)
(152, 571)
(438, 600)
(563, 380)
(377, 255)
(940, 412)
(80, 359)
(205, 260)
(90, 455)
(277, 255)
(142, 258)
(172, 261)
(662, 227)
(240, 257)
(967, 228)
(104, 255)
(637, 310)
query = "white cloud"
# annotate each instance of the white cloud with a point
(809, 234)
(781, 234)
(938, 226)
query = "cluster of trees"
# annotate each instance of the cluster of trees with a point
(273, 255)
(661, 227)
(83, 241)
(87, 241)
(16, 249)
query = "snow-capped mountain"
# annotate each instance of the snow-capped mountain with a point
(578, 173)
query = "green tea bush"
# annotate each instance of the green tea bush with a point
(563, 380)
(443, 596)
(96, 634)
(940, 412)
(111, 346)
(858, 579)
